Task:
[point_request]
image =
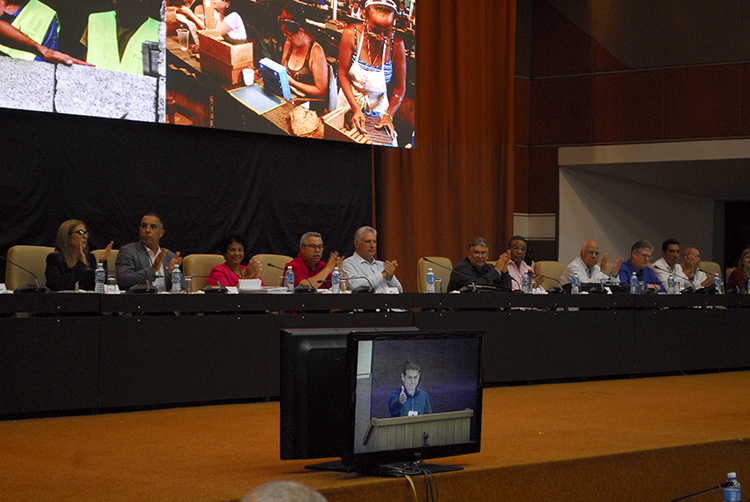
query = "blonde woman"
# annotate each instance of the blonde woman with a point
(72, 262)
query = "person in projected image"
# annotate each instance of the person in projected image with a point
(372, 61)
(114, 38)
(410, 400)
(14, 40)
(228, 24)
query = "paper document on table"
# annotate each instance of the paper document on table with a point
(254, 98)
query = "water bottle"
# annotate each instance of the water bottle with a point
(289, 279)
(733, 489)
(717, 286)
(575, 284)
(526, 283)
(430, 280)
(176, 280)
(671, 286)
(336, 281)
(634, 289)
(100, 275)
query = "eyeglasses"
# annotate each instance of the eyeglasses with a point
(314, 246)
(80, 232)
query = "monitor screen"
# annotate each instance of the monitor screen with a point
(414, 396)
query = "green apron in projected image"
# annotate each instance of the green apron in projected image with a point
(104, 49)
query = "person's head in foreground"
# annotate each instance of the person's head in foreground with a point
(283, 491)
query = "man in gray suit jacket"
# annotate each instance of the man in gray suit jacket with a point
(142, 261)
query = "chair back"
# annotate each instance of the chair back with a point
(111, 268)
(441, 272)
(272, 276)
(711, 267)
(552, 269)
(199, 267)
(33, 258)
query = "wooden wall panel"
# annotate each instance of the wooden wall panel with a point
(745, 98)
(544, 195)
(561, 111)
(628, 107)
(522, 110)
(521, 179)
(703, 101)
(562, 48)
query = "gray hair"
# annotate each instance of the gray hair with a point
(283, 491)
(309, 234)
(641, 245)
(361, 231)
(478, 241)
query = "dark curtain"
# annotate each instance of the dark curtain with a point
(458, 182)
(205, 183)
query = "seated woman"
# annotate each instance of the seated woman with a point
(229, 273)
(230, 26)
(72, 262)
(372, 65)
(305, 62)
(738, 278)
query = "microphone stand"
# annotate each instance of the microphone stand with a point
(471, 287)
(676, 274)
(299, 288)
(702, 492)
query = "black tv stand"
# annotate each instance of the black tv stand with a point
(395, 470)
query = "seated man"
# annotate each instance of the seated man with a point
(697, 278)
(474, 269)
(640, 256)
(362, 269)
(588, 268)
(517, 266)
(309, 269)
(145, 261)
(669, 263)
(409, 400)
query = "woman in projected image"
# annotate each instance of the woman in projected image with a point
(409, 400)
(372, 60)
(72, 263)
(229, 24)
(305, 61)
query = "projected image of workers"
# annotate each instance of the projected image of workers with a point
(114, 37)
(410, 400)
(29, 31)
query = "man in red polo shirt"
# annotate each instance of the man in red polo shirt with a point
(308, 268)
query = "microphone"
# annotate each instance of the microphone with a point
(690, 287)
(362, 289)
(438, 264)
(471, 287)
(721, 486)
(218, 289)
(28, 288)
(559, 284)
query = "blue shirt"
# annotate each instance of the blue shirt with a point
(50, 41)
(647, 275)
(419, 402)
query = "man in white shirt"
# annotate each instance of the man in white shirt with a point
(588, 267)
(362, 269)
(669, 263)
(691, 258)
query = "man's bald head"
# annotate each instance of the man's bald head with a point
(590, 253)
(283, 491)
(691, 257)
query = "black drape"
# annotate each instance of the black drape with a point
(205, 183)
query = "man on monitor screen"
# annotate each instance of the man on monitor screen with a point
(410, 400)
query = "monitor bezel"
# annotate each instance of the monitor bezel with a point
(367, 461)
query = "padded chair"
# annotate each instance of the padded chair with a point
(272, 276)
(443, 273)
(551, 269)
(33, 258)
(111, 269)
(199, 267)
(710, 266)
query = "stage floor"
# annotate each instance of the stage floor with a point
(556, 434)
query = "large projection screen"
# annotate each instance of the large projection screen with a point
(341, 70)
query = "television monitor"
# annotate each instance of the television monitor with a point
(314, 390)
(412, 396)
